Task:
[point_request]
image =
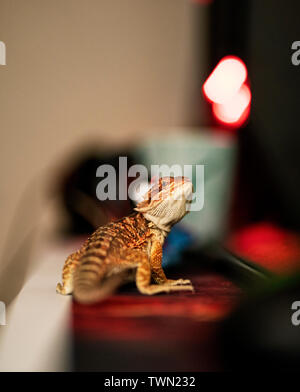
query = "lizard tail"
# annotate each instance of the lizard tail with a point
(87, 293)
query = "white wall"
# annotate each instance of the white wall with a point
(82, 70)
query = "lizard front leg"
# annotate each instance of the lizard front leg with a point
(143, 277)
(158, 273)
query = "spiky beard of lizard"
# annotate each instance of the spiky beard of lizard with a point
(129, 249)
(166, 203)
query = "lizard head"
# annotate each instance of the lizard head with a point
(166, 202)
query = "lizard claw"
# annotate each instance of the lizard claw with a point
(181, 288)
(179, 282)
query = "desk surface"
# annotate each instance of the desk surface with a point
(174, 332)
(128, 331)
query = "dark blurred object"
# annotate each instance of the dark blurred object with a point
(244, 273)
(78, 190)
(178, 240)
(229, 27)
(261, 34)
(261, 335)
(274, 26)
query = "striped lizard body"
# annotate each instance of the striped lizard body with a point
(130, 249)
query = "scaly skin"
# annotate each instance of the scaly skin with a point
(129, 249)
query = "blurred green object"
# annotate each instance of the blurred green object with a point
(202, 146)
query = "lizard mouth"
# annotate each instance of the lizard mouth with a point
(188, 190)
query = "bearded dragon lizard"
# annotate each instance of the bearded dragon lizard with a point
(131, 248)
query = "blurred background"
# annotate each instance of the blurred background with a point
(207, 82)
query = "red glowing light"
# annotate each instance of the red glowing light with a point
(268, 245)
(226, 88)
(225, 80)
(232, 111)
